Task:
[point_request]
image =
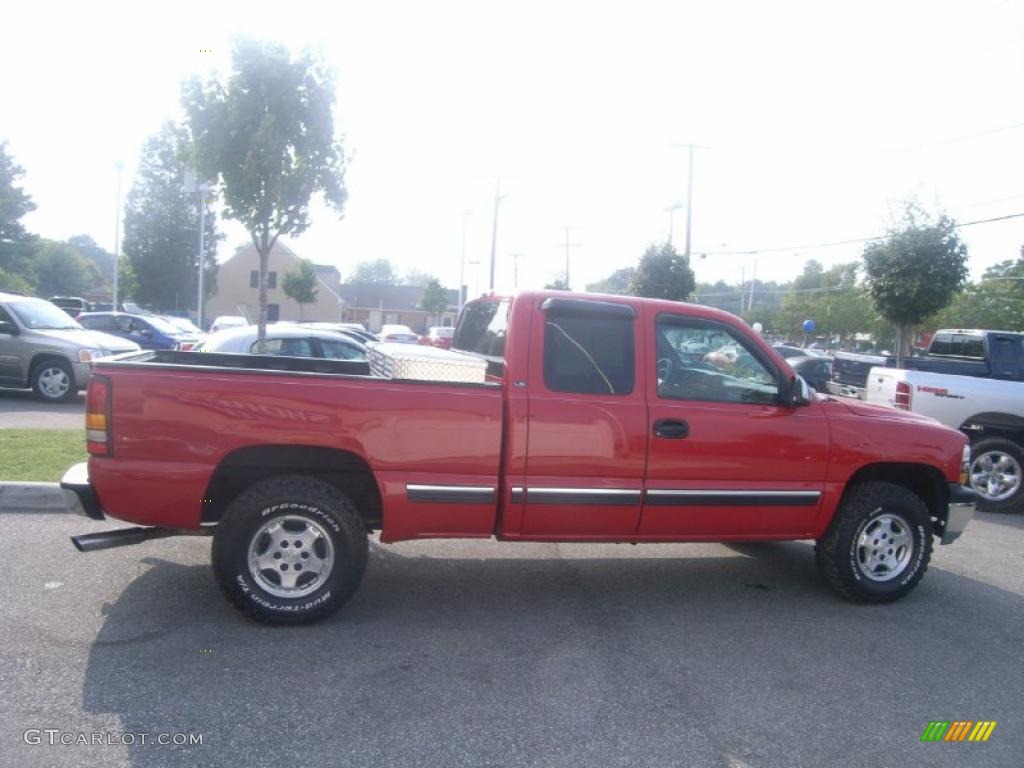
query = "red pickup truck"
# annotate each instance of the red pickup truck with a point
(600, 418)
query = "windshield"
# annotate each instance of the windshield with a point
(162, 325)
(42, 315)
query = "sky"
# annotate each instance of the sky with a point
(817, 118)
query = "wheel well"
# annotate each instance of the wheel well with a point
(924, 481)
(44, 357)
(985, 425)
(344, 470)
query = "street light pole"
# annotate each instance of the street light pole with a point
(462, 264)
(498, 197)
(117, 233)
(689, 192)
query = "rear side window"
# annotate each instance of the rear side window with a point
(339, 350)
(101, 323)
(482, 329)
(285, 347)
(589, 355)
(974, 346)
(941, 344)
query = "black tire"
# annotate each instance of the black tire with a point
(332, 529)
(43, 378)
(881, 512)
(992, 447)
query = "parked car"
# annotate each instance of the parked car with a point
(42, 348)
(440, 336)
(223, 322)
(148, 331)
(788, 350)
(555, 417)
(72, 305)
(353, 330)
(959, 352)
(816, 371)
(285, 340)
(401, 334)
(989, 411)
(193, 332)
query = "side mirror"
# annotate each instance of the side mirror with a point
(6, 326)
(799, 392)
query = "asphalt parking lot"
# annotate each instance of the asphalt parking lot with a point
(19, 408)
(488, 654)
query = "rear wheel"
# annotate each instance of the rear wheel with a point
(996, 474)
(878, 545)
(290, 550)
(53, 381)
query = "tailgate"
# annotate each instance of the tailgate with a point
(881, 385)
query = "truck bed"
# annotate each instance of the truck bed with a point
(178, 415)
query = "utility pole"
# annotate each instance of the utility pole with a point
(515, 271)
(498, 197)
(671, 211)
(689, 192)
(567, 245)
(462, 264)
(117, 232)
(753, 280)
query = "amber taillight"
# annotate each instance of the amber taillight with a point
(902, 399)
(97, 417)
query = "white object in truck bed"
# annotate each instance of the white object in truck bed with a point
(421, 363)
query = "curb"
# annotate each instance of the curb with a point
(31, 497)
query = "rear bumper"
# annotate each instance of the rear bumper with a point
(79, 495)
(962, 501)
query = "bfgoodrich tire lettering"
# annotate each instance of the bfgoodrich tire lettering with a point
(856, 567)
(300, 521)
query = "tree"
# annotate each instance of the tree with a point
(997, 302)
(617, 282)
(434, 300)
(915, 271)
(100, 258)
(834, 299)
(663, 274)
(266, 135)
(161, 227)
(60, 270)
(416, 278)
(300, 284)
(558, 284)
(15, 242)
(376, 272)
(127, 282)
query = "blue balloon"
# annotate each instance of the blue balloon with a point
(808, 326)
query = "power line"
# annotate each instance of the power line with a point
(856, 241)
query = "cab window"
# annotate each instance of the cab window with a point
(699, 360)
(589, 355)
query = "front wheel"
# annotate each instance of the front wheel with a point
(878, 545)
(996, 474)
(290, 550)
(53, 381)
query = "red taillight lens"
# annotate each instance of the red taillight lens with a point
(902, 399)
(97, 416)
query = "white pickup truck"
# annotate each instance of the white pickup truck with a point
(990, 412)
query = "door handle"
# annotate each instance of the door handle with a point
(671, 429)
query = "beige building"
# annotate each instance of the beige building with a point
(238, 288)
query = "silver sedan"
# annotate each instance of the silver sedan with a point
(287, 341)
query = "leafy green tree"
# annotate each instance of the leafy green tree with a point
(266, 134)
(127, 282)
(16, 244)
(663, 274)
(834, 299)
(416, 278)
(915, 271)
(60, 270)
(376, 272)
(161, 226)
(99, 257)
(617, 282)
(434, 300)
(996, 302)
(300, 284)
(558, 284)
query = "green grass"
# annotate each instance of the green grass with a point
(39, 454)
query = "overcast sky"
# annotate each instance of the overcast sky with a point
(819, 118)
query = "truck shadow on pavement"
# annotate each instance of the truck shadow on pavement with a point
(522, 661)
